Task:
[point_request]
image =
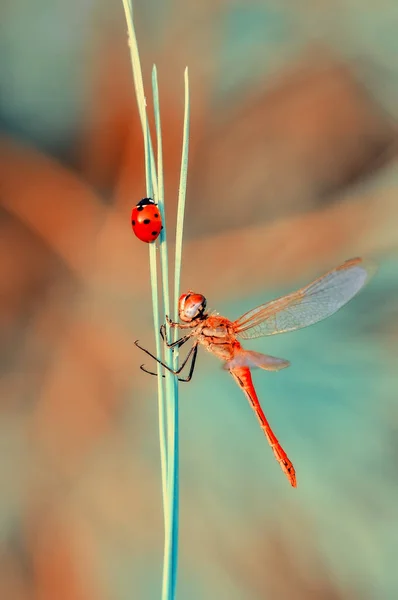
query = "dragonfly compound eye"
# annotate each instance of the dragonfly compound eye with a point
(191, 306)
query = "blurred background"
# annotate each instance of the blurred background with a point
(293, 169)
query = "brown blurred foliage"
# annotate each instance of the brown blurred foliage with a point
(271, 184)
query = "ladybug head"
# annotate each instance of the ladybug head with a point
(145, 202)
(191, 306)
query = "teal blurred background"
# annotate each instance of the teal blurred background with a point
(292, 170)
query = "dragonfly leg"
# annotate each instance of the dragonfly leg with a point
(179, 325)
(170, 323)
(191, 369)
(193, 351)
(177, 343)
(184, 379)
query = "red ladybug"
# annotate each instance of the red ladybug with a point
(146, 220)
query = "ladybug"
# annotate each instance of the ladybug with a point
(146, 220)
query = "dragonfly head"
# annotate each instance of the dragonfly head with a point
(191, 306)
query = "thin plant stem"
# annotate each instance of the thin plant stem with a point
(172, 415)
(171, 515)
(181, 197)
(152, 190)
(168, 391)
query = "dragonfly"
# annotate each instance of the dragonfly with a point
(220, 336)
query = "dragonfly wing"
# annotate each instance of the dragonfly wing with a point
(311, 304)
(251, 359)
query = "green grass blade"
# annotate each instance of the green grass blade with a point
(171, 515)
(181, 197)
(172, 409)
(168, 410)
(152, 191)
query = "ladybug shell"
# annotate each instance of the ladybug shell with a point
(146, 220)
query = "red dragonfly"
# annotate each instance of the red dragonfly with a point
(311, 304)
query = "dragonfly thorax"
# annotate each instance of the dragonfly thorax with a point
(191, 306)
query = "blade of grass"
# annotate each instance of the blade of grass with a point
(181, 197)
(168, 419)
(138, 81)
(152, 189)
(160, 199)
(156, 323)
(171, 515)
(172, 414)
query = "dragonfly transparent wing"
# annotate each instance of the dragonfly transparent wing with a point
(311, 304)
(251, 359)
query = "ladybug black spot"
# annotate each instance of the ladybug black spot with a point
(147, 221)
(161, 227)
(133, 222)
(140, 208)
(154, 233)
(156, 215)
